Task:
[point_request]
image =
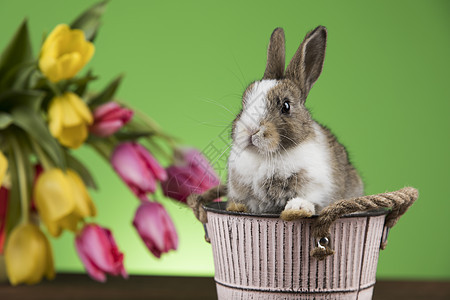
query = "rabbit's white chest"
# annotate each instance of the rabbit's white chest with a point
(312, 158)
(250, 168)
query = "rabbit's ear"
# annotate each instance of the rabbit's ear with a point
(306, 65)
(275, 56)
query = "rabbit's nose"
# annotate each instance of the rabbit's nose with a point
(255, 138)
(252, 137)
(255, 131)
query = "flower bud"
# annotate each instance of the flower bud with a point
(99, 253)
(155, 227)
(69, 118)
(109, 118)
(137, 168)
(64, 53)
(28, 255)
(191, 173)
(62, 200)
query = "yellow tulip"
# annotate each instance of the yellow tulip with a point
(62, 200)
(69, 118)
(3, 167)
(64, 53)
(28, 255)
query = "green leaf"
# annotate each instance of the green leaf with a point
(18, 50)
(35, 78)
(89, 21)
(107, 94)
(30, 98)
(19, 151)
(13, 215)
(5, 120)
(18, 77)
(32, 123)
(132, 135)
(84, 173)
(82, 83)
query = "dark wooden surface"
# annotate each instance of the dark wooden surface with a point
(79, 286)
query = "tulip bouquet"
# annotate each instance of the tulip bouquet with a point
(46, 112)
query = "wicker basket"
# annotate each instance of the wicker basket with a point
(264, 257)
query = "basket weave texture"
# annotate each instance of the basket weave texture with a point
(259, 257)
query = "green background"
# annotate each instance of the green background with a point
(384, 91)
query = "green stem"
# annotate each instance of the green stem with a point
(22, 176)
(46, 163)
(54, 87)
(103, 149)
(150, 123)
(159, 149)
(135, 126)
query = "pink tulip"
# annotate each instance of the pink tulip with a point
(192, 173)
(3, 210)
(155, 227)
(99, 253)
(138, 168)
(109, 118)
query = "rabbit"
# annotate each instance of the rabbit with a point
(281, 160)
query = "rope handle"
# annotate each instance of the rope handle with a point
(196, 201)
(399, 202)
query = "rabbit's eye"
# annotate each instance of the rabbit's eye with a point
(286, 107)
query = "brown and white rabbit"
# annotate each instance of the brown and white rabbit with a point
(281, 159)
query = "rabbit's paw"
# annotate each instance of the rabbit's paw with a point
(297, 208)
(237, 207)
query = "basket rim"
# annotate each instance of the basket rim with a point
(220, 208)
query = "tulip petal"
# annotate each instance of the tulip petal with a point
(171, 233)
(105, 109)
(88, 52)
(54, 195)
(99, 253)
(60, 30)
(26, 255)
(129, 165)
(158, 171)
(180, 183)
(71, 117)
(155, 228)
(106, 128)
(73, 137)
(55, 115)
(117, 255)
(64, 53)
(75, 41)
(99, 248)
(84, 207)
(69, 64)
(80, 107)
(192, 173)
(109, 118)
(53, 226)
(55, 202)
(149, 227)
(3, 167)
(70, 222)
(201, 167)
(122, 114)
(93, 271)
